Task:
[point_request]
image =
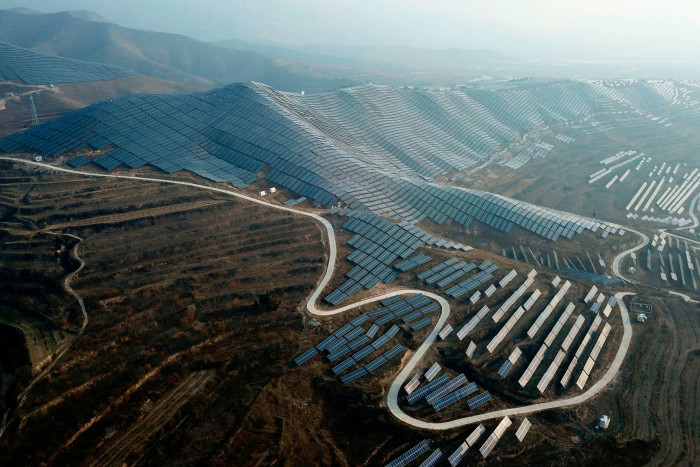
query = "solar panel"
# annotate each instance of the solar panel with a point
(475, 435)
(360, 319)
(353, 375)
(432, 371)
(344, 365)
(325, 343)
(305, 356)
(410, 455)
(354, 333)
(420, 393)
(376, 363)
(459, 453)
(362, 353)
(482, 398)
(488, 445)
(339, 353)
(394, 351)
(523, 429)
(338, 343)
(390, 300)
(372, 331)
(459, 394)
(359, 342)
(447, 388)
(505, 368)
(433, 459)
(343, 330)
(421, 324)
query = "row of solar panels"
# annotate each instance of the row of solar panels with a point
(31, 67)
(412, 262)
(595, 278)
(443, 392)
(464, 287)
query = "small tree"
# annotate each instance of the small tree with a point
(268, 302)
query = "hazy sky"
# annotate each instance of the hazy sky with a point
(575, 29)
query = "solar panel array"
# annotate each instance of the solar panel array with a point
(534, 329)
(346, 340)
(412, 262)
(471, 440)
(459, 394)
(78, 161)
(447, 388)
(31, 67)
(503, 332)
(378, 242)
(549, 374)
(413, 384)
(294, 202)
(471, 324)
(523, 429)
(549, 340)
(481, 399)
(410, 308)
(470, 284)
(593, 277)
(514, 297)
(490, 443)
(367, 147)
(505, 368)
(410, 455)
(579, 353)
(421, 324)
(446, 331)
(432, 459)
(432, 371)
(588, 367)
(420, 393)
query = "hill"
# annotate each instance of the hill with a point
(365, 147)
(167, 56)
(30, 67)
(53, 101)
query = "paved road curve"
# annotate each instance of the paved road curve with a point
(444, 313)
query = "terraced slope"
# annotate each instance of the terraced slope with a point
(367, 147)
(30, 67)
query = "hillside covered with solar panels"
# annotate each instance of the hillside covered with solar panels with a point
(31, 67)
(366, 147)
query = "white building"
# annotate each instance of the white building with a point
(604, 422)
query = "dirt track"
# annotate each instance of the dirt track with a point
(164, 410)
(138, 214)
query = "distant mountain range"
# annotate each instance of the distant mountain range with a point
(381, 58)
(84, 36)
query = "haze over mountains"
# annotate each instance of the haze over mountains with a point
(166, 56)
(313, 67)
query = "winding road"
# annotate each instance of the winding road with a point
(444, 313)
(66, 285)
